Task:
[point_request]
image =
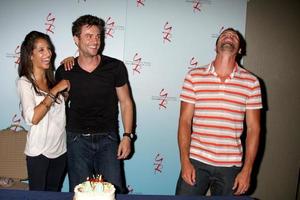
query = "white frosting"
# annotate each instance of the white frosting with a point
(94, 191)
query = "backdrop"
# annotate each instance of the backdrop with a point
(158, 40)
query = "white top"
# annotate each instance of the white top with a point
(48, 137)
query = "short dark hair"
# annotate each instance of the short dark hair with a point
(26, 66)
(90, 20)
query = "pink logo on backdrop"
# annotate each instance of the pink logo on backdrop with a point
(50, 23)
(17, 55)
(193, 63)
(196, 6)
(140, 3)
(16, 122)
(110, 27)
(163, 99)
(221, 29)
(158, 164)
(216, 35)
(167, 32)
(136, 64)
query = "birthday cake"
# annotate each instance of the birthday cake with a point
(94, 189)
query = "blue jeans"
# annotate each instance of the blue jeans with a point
(220, 180)
(91, 155)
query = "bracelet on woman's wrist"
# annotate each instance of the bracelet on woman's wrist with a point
(51, 96)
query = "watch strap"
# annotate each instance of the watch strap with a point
(130, 135)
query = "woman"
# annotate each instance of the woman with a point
(43, 109)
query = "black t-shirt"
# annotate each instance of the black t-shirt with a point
(93, 103)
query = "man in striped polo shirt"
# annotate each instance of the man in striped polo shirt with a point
(215, 100)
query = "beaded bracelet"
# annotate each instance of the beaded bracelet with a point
(51, 96)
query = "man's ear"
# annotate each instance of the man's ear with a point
(76, 40)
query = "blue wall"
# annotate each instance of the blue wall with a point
(159, 41)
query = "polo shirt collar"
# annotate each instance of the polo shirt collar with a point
(236, 70)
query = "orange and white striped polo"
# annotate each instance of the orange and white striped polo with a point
(219, 113)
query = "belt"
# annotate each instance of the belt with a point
(92, 134)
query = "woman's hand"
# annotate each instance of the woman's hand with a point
(68, 63)
(61, 86)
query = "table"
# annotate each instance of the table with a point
(41, 195)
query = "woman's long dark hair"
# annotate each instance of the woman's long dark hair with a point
(26, 67)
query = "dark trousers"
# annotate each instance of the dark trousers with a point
(46, 174)
(220, 180)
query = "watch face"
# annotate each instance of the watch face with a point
(130, 135)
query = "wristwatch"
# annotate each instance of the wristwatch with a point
(130, 135)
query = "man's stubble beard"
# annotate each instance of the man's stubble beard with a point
(227, 47)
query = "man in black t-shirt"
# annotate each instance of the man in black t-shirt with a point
(98, 84)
